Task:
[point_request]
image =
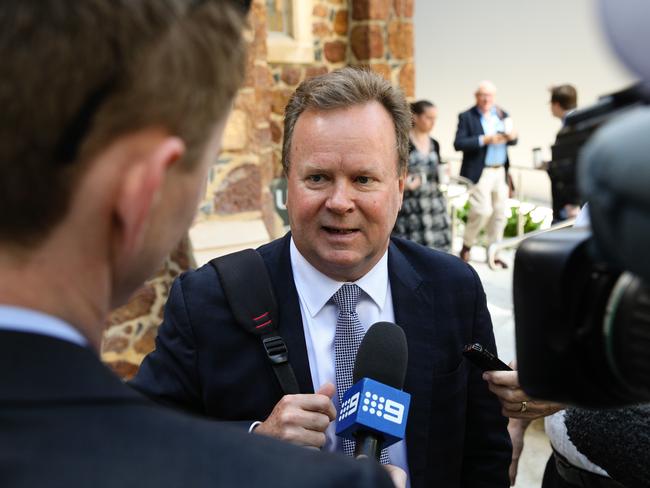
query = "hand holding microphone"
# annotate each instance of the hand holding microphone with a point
(301, 419)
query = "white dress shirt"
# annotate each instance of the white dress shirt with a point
(319, 316)
(18, 319)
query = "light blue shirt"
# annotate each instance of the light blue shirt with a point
(496, 153)
(319, 316)
(583, 219)
(18, 319)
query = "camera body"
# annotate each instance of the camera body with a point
(583, 326)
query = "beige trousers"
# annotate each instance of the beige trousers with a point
(487, 206)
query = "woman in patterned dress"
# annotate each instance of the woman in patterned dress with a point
(423, 217)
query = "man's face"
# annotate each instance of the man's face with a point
(343, 188)
(557, 110)
(484, 98)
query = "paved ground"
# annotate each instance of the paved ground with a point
(498, 289)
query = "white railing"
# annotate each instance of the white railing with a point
(493, 249)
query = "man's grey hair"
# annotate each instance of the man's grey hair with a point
(486, 85)
(344, 88)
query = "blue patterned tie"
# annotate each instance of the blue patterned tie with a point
(349, 334)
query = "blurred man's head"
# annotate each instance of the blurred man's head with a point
(75, 76)
(345, 154)
(111, 113)
(485, 93)
(563, 99)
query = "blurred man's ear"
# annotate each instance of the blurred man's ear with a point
(140, 188)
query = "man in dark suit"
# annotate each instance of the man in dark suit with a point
(112, 112)
(345, 153)
(564, 190)
(483, 134)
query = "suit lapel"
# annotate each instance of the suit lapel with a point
(414, 313)
(478, 127)
(291, 328)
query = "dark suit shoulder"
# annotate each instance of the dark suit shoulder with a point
(139, 445)
(206, 279)
(226, 456)
(470, 112)
(206, 273)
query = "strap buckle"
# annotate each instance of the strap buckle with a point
(276, 349)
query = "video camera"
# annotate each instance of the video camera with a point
(581, 298)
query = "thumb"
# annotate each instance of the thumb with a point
(327, 389)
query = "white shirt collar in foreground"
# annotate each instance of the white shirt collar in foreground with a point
(316, 289)
(26, 320)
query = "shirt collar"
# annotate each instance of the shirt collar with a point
(26, 320)
(316, 289)
(490, 113)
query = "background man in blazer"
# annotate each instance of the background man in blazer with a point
(112, 112)
(345, 153)
(564, 191)
(483, 134)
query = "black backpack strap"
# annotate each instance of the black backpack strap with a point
(246, 283)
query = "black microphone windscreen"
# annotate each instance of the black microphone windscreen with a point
(382, 355)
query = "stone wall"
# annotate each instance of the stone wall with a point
(374, 33)
(381, 36)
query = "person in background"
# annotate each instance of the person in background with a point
(112, 114)
(566, 200)
(484, 133)
(423, 217)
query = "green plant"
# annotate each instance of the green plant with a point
(511, 225)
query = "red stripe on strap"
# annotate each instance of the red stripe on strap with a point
(264, 324)
(261, 316)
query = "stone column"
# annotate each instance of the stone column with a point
(381, 36)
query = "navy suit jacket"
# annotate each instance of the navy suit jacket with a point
(469, 129)
(456, 435)
(66, 421)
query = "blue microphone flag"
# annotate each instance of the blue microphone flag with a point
(371, 406)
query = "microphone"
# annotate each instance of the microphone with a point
(374, 409)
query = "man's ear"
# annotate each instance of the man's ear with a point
(401, 182)
(140, 188)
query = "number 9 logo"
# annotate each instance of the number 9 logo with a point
(354, 403)
(393, 411)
